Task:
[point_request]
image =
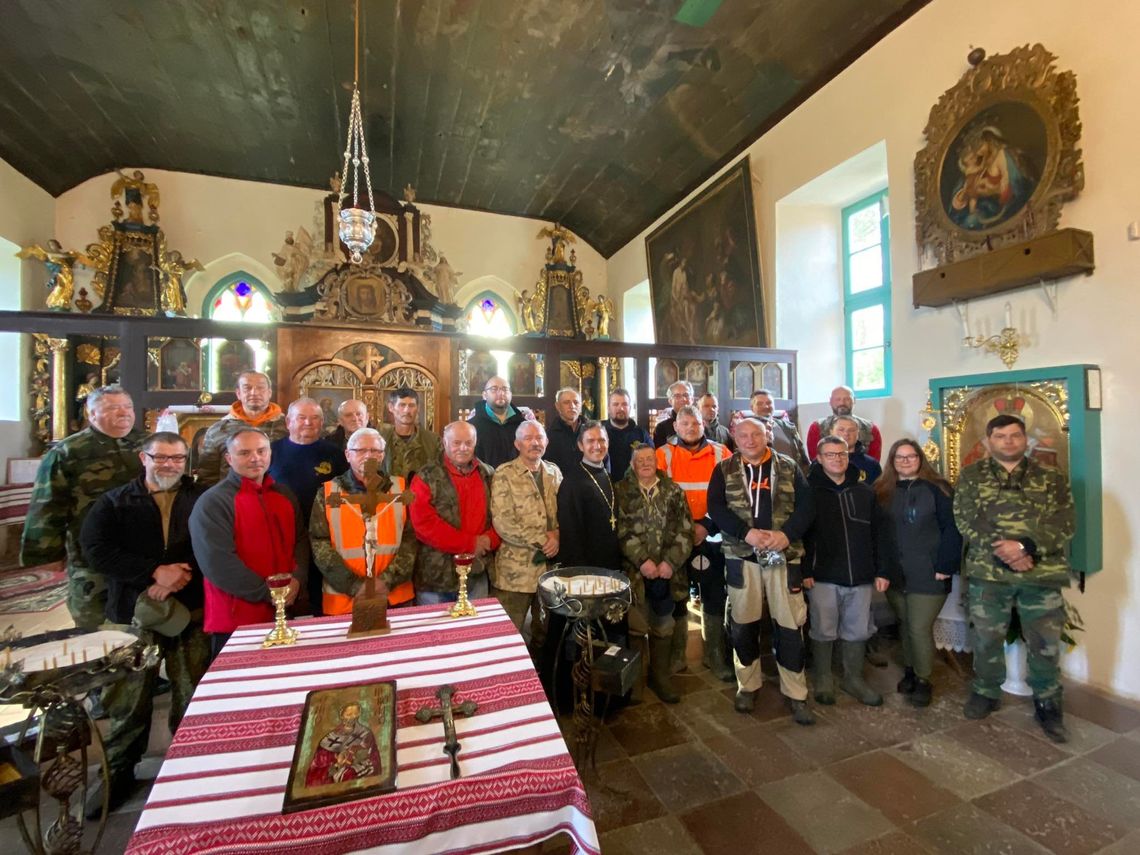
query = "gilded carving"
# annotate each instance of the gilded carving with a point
(1001, 157)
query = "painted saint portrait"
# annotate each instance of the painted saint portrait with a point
(345, 747)
(1044, 426)
(993, 166)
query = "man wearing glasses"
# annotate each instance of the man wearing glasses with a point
(680, 395)
(138, 536)
(338, 531)
(495, 422)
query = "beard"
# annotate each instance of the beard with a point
(841, 411)
(167, 482)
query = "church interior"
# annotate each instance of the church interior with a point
(619, 194)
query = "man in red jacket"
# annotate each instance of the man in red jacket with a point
(245, 529)
(451, 514)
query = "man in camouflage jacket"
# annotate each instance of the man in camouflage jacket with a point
(762, 504)
(1016, 518)
(72, 475)
(524, 510)
(451, 515)
(655, 530)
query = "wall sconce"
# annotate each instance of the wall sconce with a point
(1006, 344)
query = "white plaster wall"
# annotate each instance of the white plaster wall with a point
(233, 225)
(887, 95)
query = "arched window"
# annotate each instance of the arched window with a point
(245, 299)
(488, 316)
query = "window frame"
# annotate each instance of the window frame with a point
(880, 296)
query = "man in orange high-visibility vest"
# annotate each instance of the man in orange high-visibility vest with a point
(338, 530)
(689, 458)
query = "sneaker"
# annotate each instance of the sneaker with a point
(906, 684)
(979, 706)
(745, 702)
(801, 714)
(1048, 713)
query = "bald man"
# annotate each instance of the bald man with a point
(842, 403)
(451, 515)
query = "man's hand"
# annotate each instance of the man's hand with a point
(699, 534)
(648, 569)
(665, 570)
(1021, 565)
(482, 545)
(1008, 551)
(809, 582)
(882, 584)
(941, 577)
(294, 589)
(172, 576)
(550, 548)
(158, 592)
(757, 538)
(777, 540)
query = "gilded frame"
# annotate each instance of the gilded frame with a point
(1008, 133)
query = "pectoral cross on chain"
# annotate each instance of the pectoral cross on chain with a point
(369, 609)
(446, 711)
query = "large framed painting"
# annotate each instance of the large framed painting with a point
(704, 270)
(1001, 156)
(1062, 423)
(346, 748)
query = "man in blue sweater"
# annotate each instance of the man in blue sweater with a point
(302, 461)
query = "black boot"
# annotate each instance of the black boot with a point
(907, 683)
(801, 714)
(745, 702)
(922, 693)
(123, 786)
(874, 655)
(1048, 713)
(979, 706)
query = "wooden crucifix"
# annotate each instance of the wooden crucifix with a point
(446, 710)
(370, 608)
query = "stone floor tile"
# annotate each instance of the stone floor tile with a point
(656, 837)
(1123, 755)
(1109, 713)
(619, 796)
(885, 782)
(1084, 736)
(825, 742)
(710, 713)
(742, 824)
(891, 724)
(1020, 751)
(608, 748)
(757, 756)
(895, 843)
(966, 830)
(1055, 823)
(824, 812)
(685, 776)
(1127, 845)
(1096, 788)
(952, 765)
(770, 704)
(647, 727)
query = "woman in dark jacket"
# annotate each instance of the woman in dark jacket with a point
(929, 548)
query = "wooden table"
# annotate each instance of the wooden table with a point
(223, 780)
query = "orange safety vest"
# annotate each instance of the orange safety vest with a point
(691, 471)
(346, 532)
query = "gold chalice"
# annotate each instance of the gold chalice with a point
(463, 607)
(279, 591)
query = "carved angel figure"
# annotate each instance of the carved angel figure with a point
(292, 261)
(604, 308)
(60, 264)
(171, 267)
(446, 279)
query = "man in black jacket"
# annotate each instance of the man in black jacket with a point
(138, 536)
(495, 423)
(847, 553)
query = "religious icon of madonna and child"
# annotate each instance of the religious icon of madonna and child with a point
(345, 748)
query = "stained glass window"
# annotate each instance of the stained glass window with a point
(486, 317)
(244, 299)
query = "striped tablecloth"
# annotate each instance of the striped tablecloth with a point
(14, 500)
(222, 784)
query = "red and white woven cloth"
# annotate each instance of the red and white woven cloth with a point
(222, 784)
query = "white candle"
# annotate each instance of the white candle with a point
(1008, 316)
(965, 325)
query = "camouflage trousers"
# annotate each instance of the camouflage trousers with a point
(130, 702)
(1042, 613)
(86, 596)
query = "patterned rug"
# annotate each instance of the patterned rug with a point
(31, 589)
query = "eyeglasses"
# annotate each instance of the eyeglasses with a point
(497, 389)
(906, 458)
(833, 455)
(366, 451)
(180, 459)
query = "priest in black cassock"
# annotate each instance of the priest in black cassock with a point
(587, 536)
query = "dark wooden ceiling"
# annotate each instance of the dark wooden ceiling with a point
(598, 113)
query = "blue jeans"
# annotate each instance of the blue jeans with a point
(478, 587)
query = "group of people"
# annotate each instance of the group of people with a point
(749, 515)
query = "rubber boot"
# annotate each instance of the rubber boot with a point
(679, 642)
(641, 644)
(714, 658)
(821, 677)
(660, 670)
(853, 653)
